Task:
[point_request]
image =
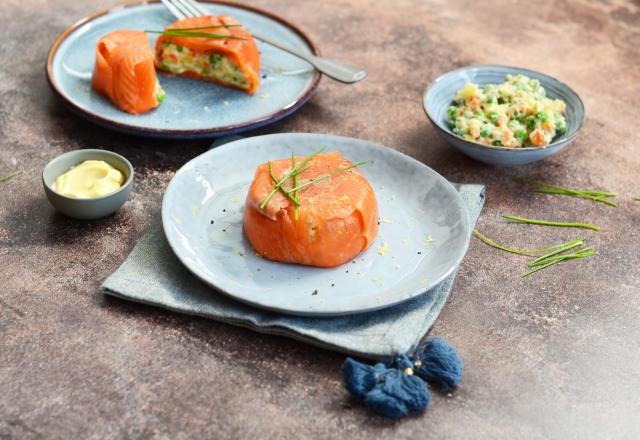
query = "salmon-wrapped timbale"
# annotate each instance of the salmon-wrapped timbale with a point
(232, 62)
(337, 217)
(125, 72)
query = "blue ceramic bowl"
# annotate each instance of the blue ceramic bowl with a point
(439, 96)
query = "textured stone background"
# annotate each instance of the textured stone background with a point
(551, 356)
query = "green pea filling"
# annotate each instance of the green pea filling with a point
(178, 59)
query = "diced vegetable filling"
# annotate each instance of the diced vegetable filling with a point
(159, 92)
(513, 114)
(179, 59)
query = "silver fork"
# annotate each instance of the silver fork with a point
(334, 69)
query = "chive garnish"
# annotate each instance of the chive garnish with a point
(10, 176)
(294, 171)
(559, 250)
(581, 253)
(546, 260)
(533, 252)
(181, 33)
(199, 28)
(549, 223)
(327, 176)
(559, 258)
(286, 193)
(293, 194)
(596, 196)
(296, 194)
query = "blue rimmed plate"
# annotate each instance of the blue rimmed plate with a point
(424, 229)
(192, 108)
(439, 96)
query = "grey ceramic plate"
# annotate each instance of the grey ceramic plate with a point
(439, 96)
(192, 108)
(423, 224)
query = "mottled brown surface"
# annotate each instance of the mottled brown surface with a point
(552, 356)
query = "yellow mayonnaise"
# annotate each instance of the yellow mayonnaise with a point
(90, 179)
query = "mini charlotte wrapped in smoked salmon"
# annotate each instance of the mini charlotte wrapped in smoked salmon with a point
(336, 219)
(232, 62)
(125, 73)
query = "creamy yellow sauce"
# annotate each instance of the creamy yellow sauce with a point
(88, 180)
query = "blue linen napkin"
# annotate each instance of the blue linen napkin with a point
(152, 274)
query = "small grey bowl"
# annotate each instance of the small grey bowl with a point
(90, 208)
(439, 96)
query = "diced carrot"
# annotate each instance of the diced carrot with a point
(537, 138)
(474, 103)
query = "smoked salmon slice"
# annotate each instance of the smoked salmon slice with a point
(337, 217)
(125, 73)
(232, 62)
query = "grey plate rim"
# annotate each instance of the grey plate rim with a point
(493, 147)
(264, 305)
(173, 133)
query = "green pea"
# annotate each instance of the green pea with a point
(490, 100)
(493, 116)
(542, 116)
(179, 48)
(521, 134)
(497, 143)
(561, 125)
(166, 66)
(452, 113)
(485, 132)
(531, 122)
(214, 60)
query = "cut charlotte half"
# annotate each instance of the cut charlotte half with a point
(232, 62)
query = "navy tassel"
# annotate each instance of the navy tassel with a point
(438, 362)
(393, 390)
(387, 391)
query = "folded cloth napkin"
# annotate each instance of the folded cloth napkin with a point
(152, 274)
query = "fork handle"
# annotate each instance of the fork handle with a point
(335, 69)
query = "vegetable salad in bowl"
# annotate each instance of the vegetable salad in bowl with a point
(513, 114)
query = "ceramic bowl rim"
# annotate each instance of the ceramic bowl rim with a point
(554, 145)
(80, 153)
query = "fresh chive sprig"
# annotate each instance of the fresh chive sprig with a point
(480, 236)
(10, 176)
(200, 28)
(550, 223)
(555, 256)
(559, 250)
(548, 262)
(296, 194)
(326, 176)
(190, 34)
(295, 170)
(286, 193)
(593, 195)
